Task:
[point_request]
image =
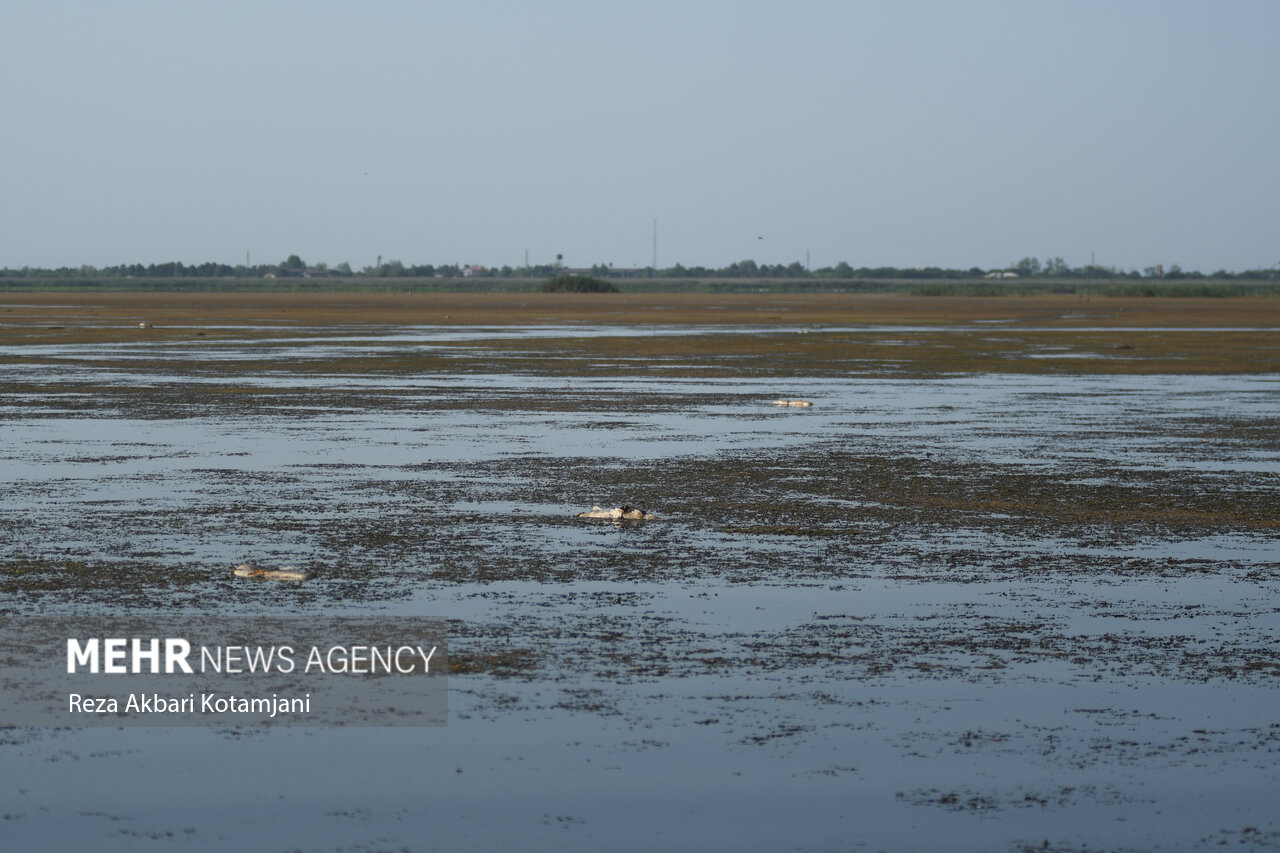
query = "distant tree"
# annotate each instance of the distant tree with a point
(212, 270)
(1056, 266)
(343, 268)
(1027, 266)
(171, 269)
(293, 262)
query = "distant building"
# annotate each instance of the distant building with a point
(1001, 274)
(468, 272)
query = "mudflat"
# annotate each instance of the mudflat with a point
(1009, 583)
(693, 334)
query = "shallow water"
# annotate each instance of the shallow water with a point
(824, 667)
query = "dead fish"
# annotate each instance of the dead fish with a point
(618, 513)
(797, 403)
(288, 573)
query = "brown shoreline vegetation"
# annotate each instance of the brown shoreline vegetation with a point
(82, 309)
(873, 334)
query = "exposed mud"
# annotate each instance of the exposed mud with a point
(970, 597)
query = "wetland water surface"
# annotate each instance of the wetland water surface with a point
(988, 611)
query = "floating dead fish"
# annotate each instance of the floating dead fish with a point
(618, 513)
(797, 403)
(144, 325)
(288, 573)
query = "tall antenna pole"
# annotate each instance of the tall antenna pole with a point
(655, 245)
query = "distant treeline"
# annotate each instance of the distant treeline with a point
(294, 267)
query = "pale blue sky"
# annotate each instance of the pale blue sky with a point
(889, 133)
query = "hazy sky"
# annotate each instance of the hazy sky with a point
(956, 134)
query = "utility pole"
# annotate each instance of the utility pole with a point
(655, 247)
